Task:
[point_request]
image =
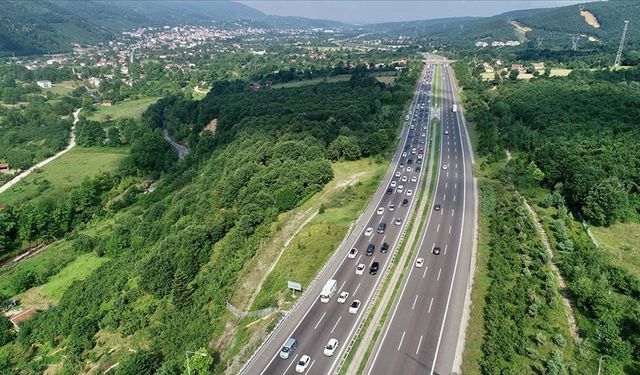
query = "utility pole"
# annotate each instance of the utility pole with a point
(574, 42)
(620, 48)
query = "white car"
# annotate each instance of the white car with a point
(400, 188)
(414, 179)
(403, 179)
(446, 132)
(391, 207)
(360, 269)
(368, 232)
(352, 253)
(444, 167)
(330, 348)
(303, 363)
(409, 193)
(419, 156)
(393, 183)
(380, 211)
(398, 174)
(342, 298)
(419, 262)
(404, 154)
(355, 305)
(408, 169)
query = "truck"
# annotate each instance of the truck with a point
(455, 108)
(328, 290)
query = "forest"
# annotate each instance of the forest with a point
(576, 151)
(174, 255)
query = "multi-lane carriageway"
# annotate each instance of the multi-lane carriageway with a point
(421, 335)
(313, 323)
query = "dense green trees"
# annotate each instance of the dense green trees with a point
(175, 254)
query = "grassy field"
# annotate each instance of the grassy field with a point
(63, 173)
(62, 88)
(127, 108)
(344, 199)
(315, 81)
(48, 262)
(388, 78)
(51, 292)
(622, 242)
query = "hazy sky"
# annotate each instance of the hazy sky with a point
(384, 11)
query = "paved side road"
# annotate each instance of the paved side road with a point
(23, 174)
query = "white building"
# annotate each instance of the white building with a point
(481, 44)
(44, 84)
(95, 81)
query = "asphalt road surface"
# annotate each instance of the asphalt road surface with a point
(421, 332)
(313, 323)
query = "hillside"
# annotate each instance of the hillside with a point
(44, 26)
(555, 26)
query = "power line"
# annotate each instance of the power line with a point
(621, 47)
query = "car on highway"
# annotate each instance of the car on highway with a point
(410, 161)
(303, 363)
(352, 253)
(400, 189)
(419, 156)
(382, 227)
(360, 269)
(404, 154)
(417, 169)
(398, 221)
(405, 202)
(419, 262)
(409, 193)
(330, 348)
(414, 179)
(409, 169)
(288, 348)
(375, 266)
(389, 191)
(404, 179)
(398, 174)
(370, 250)
(446, 132)
(342, 298)
(437, 207)
(407, 146)
(355, 306)
(393, 183)
(391, 207)
(380, 210)
(424, 134)
(444, 166)
(436, 250)
(384, 248)
(368, 232)
(413, 151)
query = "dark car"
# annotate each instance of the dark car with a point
(382, 227)
(407, 146)
(389, 191)
(410, 161)
(384, 248)
(417, 169)
(437, 207)
(405, 202)
(436, 250)
(375, 266)
(370, 249)
(419, 161)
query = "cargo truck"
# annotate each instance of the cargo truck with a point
(328, 291)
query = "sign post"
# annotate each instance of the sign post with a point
(294, 286)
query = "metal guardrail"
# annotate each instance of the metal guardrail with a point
(302, 296)
(379, 288)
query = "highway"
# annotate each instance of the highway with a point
(421, 332)
(312, 322)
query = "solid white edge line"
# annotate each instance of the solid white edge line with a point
(395, 309)
(455, 267)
